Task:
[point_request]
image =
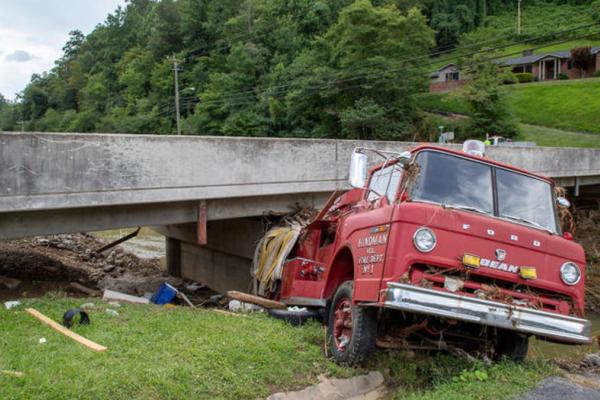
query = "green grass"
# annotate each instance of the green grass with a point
(572, 105)
(157, 353)
(503, 380)
(160, 353)
(443, 102)
(543, 136)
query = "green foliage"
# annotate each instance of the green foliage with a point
(570, 105)
(595, 10)
(508, 78)
(500, 381)
(596, 74)
(490, 113)
(308, 68)
(524, 77)
(563, 77)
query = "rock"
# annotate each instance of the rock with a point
(370, 386)
(108, 268)
(10, 283)
(592, 359)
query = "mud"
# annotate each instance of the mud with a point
(50, 263)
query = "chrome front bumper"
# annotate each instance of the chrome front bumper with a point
(470, 309)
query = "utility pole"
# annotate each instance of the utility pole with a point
(519, 17)
(176, 70)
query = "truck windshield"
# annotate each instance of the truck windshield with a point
(467, 184)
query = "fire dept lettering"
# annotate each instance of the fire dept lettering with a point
(372, 240)
(374, 252)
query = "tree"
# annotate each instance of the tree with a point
(582, 59)
(362, 76)
(490, 113)
(595, 10)
(73, 45)
(165, 37)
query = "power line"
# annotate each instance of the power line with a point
(275, 90)
(406, 60)
(247, 100)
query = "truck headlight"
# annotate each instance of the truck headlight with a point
(570, 273)
(424, 240)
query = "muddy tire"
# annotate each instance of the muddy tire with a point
(512, 345)
(351, 330)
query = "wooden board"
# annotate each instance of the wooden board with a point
(86, 290)
(261, 301)
(59, 328)
(111, 295)
(16, 374)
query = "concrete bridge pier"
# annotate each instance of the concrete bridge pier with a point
(224, 262)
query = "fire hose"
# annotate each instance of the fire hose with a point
(270, 255)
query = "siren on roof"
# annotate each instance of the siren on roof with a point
(474, 147)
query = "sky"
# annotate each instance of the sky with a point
(33, 32)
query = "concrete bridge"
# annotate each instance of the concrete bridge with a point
(204, 193)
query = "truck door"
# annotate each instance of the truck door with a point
(370, 240)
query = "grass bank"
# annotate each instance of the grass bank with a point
(550, 137)
(158, 353)
(567, 105)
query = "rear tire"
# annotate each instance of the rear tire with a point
(512, 345)
(351, 329)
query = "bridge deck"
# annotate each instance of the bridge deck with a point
(51, 183)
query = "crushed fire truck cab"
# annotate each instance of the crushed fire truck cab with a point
(436, 247)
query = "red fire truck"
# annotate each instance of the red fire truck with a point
(435, 248)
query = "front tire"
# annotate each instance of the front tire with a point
(351, 329)
(512, 345)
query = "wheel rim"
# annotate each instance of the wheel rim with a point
(342, 324)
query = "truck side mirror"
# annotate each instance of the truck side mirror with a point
(358, 170)
(404, 158)
(563, 202)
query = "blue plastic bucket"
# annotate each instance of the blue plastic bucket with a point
(164, 295)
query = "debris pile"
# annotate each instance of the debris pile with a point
(41, 264)
(587, 234)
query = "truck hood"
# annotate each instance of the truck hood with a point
(459, 232)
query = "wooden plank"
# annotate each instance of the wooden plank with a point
(183, 297)
(111, 295)
(86, 290)
(16, 374)
(61, 329)
(261, 301)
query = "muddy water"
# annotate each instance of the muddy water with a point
(147, 244)
(547, 350)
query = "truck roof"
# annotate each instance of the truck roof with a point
(485, 159)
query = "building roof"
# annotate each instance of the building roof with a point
(537, 57)
(436, 73)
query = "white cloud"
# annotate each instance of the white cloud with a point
(19, 56)
(40, 28)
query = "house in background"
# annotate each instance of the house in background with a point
(547, 66)
(544, 66)
(446, 78)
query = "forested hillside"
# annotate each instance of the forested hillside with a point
(303, 68)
